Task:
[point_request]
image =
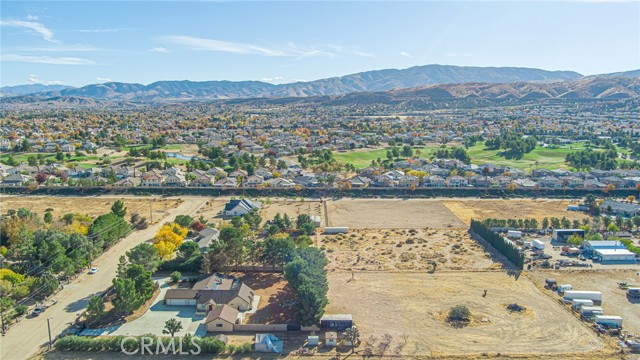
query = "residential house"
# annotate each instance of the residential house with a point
(221, 318)
(16, 180)
(226, 182)
(175, 180)
(617, 208)
(359, 181)
(152, 178)
(279, 183)
(210, 291)
(550, 182)
(434, 181)
(408, 181)
(128, 182)
(240, 207)
(207, 236)
(457, 181)
(253, 181)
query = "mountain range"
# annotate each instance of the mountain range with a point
(498, 82)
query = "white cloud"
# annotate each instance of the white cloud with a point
(103, 79)
(45, 59)
(406, 54)
(196, 43)
(98, 31)
(272, 79)
(362, 53)
(33, 78)
(159, 50)
(32, 25)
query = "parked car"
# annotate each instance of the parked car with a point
(37, 311)
(93, 270)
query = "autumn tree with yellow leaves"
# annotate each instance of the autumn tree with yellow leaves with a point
(169, 238)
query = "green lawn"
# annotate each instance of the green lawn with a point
(545, 157)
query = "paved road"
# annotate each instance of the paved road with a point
(29, 335)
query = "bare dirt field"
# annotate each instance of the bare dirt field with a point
(275, 298)
(211, 209)
(614, 299)
(412, 307)
(481, 209)
(92, 206)
(293, 208)
(401, 249)
(391, 214)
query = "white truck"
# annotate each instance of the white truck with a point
(578, 303)
(590, 311)
(609, 320)
(537, 244)
(564, 287)
(595, 296)
(514, 234)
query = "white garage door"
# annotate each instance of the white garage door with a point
(181, 302)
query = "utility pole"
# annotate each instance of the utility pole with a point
(2, 316)
(150, 212)
(49, 327)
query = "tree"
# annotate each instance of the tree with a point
(95, 308)
(107, 229)
(352, 335)
(277, 251)
(41, 178)
(188, 249)
(48, 218)
(176, 276)
(172, 326)
(142, 280)
(119, 209)
(459, 313)
(146, 255)
(184, 220)
(126, 299)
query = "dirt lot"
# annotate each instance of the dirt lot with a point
(292, 207)
(391, 214)
(275, 306)
(413, 306)
(413, 249)
(614, 299)
(211, 209)
(92, 206)
(511, 209)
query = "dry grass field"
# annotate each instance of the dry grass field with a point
(275, 295)
(291, 207)
(92, 206)
(467, 209)
(412, 307)
(402, 249)
(614, 299)
(391, 214)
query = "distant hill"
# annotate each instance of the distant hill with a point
(379, 80)
(631, 74)
(30, 89)
(585, 89)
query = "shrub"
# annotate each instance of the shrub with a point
(176, 276)
(459, 313)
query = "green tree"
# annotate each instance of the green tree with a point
(142, 280)
(188, 249)
(126, 299)
(146, 255)
(172, 326)
(48, 218)
(95, 308)
(119, 209)
(176, 276)
(184, 221)
(277, 251)
(107, 229)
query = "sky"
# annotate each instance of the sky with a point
(85, 42)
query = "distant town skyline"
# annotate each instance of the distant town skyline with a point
(79, 43)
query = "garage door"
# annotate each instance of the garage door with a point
(181, 302)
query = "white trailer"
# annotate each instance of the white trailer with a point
(595, 296)
(336, 230)
(514, 234)
(577, 303)
(537, 244)
(609, 320)
(589, 311)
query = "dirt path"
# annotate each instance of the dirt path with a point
(29, 335)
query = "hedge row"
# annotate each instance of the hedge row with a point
(131, 344)
(307, 192)
(505, 247)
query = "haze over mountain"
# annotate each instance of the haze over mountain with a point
(379, 80)
(30, 89)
